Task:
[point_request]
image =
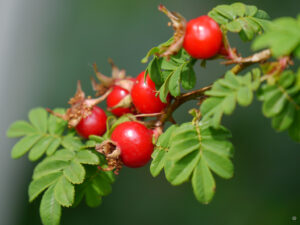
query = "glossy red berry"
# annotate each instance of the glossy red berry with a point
(135, 143)
(144, 96)
(203, 37)
(94, 124)
(118, 94)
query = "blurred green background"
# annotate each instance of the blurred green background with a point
(46, 46)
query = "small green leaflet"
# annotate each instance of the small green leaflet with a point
(50, 209)
(281, 102)
(160, 151)
(194, 151)
(42, 135)
(97, 184)
(170, 74)
(282, 37)
(227, 92)
(246, 20)
(157, 50)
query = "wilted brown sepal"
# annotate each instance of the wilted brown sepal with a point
(118, 78)
(178, 23)
(81, 107)
(112, 154)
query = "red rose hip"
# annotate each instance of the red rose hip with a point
(203, 37)
(144, 96)
(94, 124)
(114, 98)
(135, 143)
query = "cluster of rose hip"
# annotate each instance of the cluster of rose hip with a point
(131, 142)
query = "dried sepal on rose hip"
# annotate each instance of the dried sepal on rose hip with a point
(83, 114)
(118, 78)
(119, 100)
(112, 155)
(130, 145)
(178, 23)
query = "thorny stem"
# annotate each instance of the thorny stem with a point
(242, 63)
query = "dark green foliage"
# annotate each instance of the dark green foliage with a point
(281, 102)
(96, 185)
(44, 134)
(170, 74)
(226, 93)
(193, 151)
(246, 20)
(282, 37)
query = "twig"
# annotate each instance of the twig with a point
(255, 58)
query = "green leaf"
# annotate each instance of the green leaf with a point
(234, 26)
(239, 8)
(168, 73)
(24, 145)
(250, 10)
(218, 17)
(74, 172)
(39, 185)
(262, 15)
(44, 135)
(219, 164)
(158, 161)
(244, 96)
(71, 142)
(180, 171)
(102, 185)
(50, 209)
(226, 11)
(282, 37)
(294, 130)
(40, 148)
(48, 166)
(64, 155)
(284, 119)
(92, 198)
(20, 128)
(174, 83)
(160, 152)
(154, 72)
(158, 49)
(39, 118)
(87, 157)
(164, 90)
(195, 149)
(239, 18)
(203, 183)
(64, 192)
(57, 125)
(188, 78)
(281, 102)
(96, 138)
(96, 185)
(228, 91)
(53, 146)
